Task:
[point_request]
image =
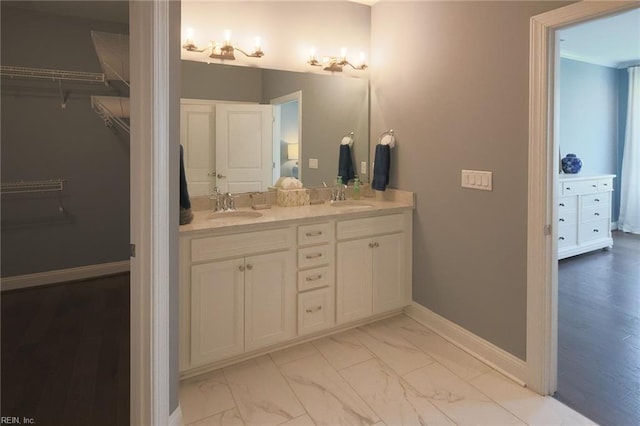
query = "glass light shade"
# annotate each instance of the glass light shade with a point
(292, 151)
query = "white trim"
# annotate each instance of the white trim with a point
(588, 60)
(614, 225)
(176, 417)
(541, 250)
(63, 275)
(509, 365)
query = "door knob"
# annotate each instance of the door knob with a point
(219, 176)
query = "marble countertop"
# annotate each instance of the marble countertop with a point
(205, 220)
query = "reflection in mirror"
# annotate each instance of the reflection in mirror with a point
(311, 113)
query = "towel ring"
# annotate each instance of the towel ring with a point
(347, 139)
(388, 138)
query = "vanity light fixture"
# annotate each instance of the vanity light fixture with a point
(334, 63)
(222, 50)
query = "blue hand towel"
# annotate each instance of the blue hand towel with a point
(185, 203)
(381, 167)
(345, 164)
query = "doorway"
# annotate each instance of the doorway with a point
(542, 280)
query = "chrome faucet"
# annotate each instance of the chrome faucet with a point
(217, 196)
(229, 203)
(342, 194)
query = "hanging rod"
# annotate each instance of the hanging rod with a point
(33, 186)
(47, 74)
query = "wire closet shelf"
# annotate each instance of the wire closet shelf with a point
(49, 74)
(32, 186)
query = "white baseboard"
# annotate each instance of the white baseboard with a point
(62, 275)
(509, 365)
(614, 226)
(176, 417)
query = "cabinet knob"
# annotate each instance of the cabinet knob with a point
(561, 204)
(371, 245)
(249, 267)
(312, 310)
(561, 238)
(596, 230)
(561, 220)
(597, 200)
(241, 268)
(220, 176)
(377, 245)
(596, 214)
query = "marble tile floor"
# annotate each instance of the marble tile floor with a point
(391, 372)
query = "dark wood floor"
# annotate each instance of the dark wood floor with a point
(599, 333)
(65, 353)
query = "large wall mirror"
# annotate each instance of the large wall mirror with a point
(311, 114)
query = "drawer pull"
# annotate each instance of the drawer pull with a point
(312, 310)
(561, 238)
(568, 188)
(597, 200)
(605, 184)
(596, 230)
(249, 267)
(314, 234)
(561, 204)
(371, 245)
(313, 256)
(561, 220)
(314, 278)
(596, 214)
(241, 268)
(594, 186)
(376, 244)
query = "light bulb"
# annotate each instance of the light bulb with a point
(258, 44)
(189, 33)
(343, 53)
(227, 37)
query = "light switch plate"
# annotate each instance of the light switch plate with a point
(363, 167)
(476, 179)
(313, 163)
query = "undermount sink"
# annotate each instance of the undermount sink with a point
(234, 215)
(352, 204)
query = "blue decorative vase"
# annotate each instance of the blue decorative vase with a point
(571, 164)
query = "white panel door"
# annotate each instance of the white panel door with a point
(217, 311)
(270, 299)
(197, 132)
(244, 147)
(388, 273)
(353, 280)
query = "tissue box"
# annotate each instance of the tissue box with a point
(292, 197)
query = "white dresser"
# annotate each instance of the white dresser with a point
(584, 213)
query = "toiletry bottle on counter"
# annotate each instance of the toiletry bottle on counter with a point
(356, 189)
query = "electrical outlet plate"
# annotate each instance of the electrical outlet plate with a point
(476, 179)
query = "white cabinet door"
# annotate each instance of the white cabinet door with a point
(388, 272)
(217, 308)
(244, 157)
(197, 136)
(353, 280)
(270, 299)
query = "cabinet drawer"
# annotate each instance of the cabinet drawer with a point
(315, 234)
(316, 278)
(605, 184)
(219, 247)
(370, 226)
(568, 202)
(316, 310)
(601, 198)
(567, 216)
(315, 256)
(567, 235)
(595, 212)
(579, 187)
(594, 230)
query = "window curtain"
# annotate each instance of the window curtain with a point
(629, 220)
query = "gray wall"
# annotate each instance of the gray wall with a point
(589, 117)
(452, 79)
(40, 140)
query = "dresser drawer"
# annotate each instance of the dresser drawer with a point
(601, 199)
(316, 233)
(316, 310)
(567, 235)
(370, 226)
(568, 202)
(595, 212)
(594, 230)
(605, 184)
(579, 187)
(567, 216)
(315, 256)
(316, 278)
(226, 246)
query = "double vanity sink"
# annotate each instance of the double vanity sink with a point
(254, 281)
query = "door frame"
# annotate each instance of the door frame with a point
(542, 257)
(154, 28)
